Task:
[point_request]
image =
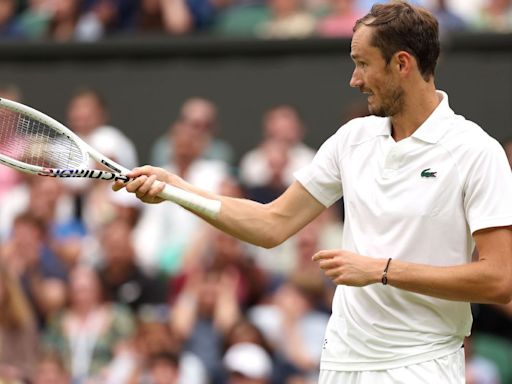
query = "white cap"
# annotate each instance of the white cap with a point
(248, 359)
(124, 198)
(113, 143)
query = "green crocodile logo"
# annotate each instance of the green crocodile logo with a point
(426, 173)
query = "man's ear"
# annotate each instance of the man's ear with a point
(403, 59)
(404, 62)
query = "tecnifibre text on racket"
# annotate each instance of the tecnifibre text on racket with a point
(35, 143)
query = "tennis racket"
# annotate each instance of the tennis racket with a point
(33, 142)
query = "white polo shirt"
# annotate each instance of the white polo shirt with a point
(416, 200)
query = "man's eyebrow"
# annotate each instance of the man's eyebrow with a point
(354, 56)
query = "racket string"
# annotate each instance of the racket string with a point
(31, 141)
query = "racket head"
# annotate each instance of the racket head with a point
(33, 142)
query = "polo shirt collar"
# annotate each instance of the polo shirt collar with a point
(431, 130)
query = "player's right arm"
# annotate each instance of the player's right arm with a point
(265, 225)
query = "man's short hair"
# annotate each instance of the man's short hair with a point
(400, 26)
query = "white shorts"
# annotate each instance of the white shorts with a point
(448, 369)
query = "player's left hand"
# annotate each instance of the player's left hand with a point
(349, 268)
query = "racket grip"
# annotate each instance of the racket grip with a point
(208, 207)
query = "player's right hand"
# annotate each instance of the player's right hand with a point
(147, 182)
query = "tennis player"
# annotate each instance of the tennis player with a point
(421, 187)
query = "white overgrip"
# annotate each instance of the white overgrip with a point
(200, 204)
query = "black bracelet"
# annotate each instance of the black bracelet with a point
(385, 273)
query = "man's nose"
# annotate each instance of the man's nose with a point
(355, 80)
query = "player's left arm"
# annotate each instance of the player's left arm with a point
(487, 280)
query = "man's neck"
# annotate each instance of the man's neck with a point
(420, 103)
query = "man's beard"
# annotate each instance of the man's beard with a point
(392, 103)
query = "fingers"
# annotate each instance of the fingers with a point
(140, 171)
(144, 183)
(118, 185)
(331, 267)
(135, 173)
(146, 186)
(328, 264)
(324, 255)
(156, 188)
(142, 186)
(135, 184)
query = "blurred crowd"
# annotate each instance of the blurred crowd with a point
(91, 20)
(96, 287)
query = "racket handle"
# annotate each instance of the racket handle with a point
(208, 207)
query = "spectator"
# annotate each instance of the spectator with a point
(18, 334)
(204, 13)
(204, 311)
(322, 233)
(495, 16)
(27, 255)
(467, 9)
(50, 369)
(283, 124)
(150, 17)
(87, 116)
(164, 233)
(48, 202)
(124, 281)
(164, 368)
(64, 20)
(288, 19)
(340, 19)
(19, 199)
(154, 340)
(63, 236)
(248, 363)
(104, 18)
(36, 18)
(241, 18)
(243, 331)
(449, 21)
(99, 19)
(87, 332)
(479, 370)
(268, 168)
(293, 324)
(222, 253)
(10, 91)
(9, 25)
(101, 206)
(276, 160)
(159, 16)
(202, 114)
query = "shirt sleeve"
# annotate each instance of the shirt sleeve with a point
(488, 189)
(322, 177)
